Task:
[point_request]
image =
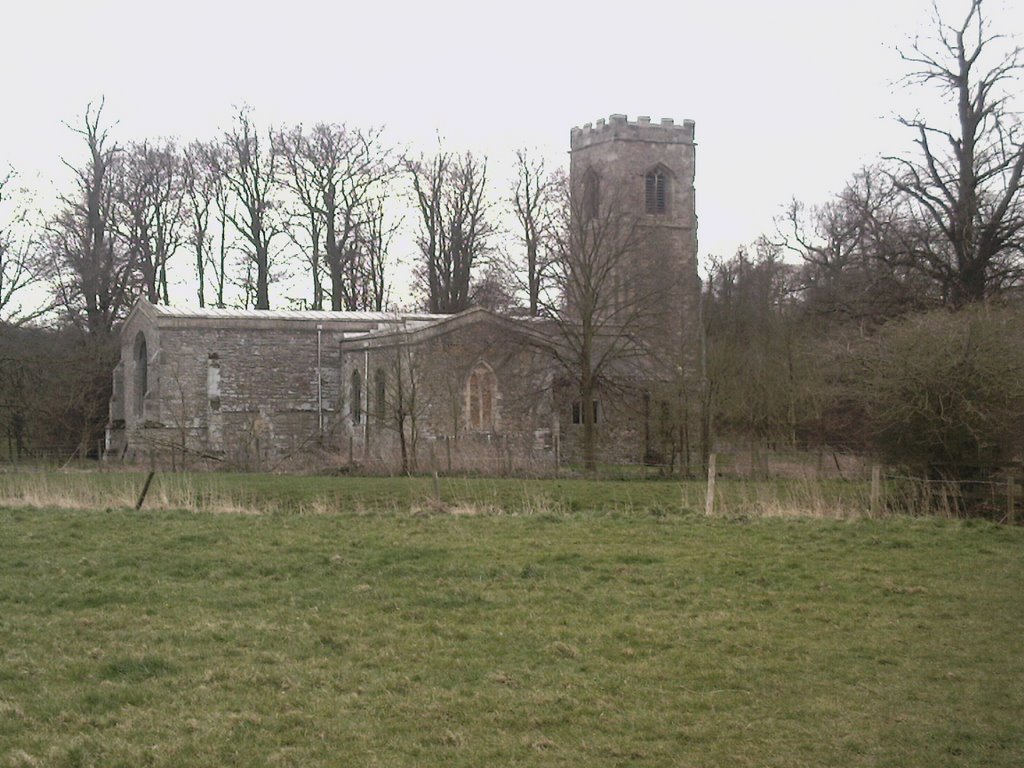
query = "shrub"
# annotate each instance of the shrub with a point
(944, 392)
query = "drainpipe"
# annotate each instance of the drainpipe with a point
(365, 393)
(319, 382)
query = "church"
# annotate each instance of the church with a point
(474, 391)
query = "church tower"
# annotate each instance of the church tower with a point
(645, 171)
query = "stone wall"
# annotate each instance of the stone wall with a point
(426, 377)
(246, 391)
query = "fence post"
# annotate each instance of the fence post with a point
(709, 502)
(145, 489)
(876, 489)
(448, 451)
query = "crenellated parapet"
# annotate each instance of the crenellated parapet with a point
(620, 128)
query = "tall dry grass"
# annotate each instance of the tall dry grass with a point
(115, 490)
(808, 498)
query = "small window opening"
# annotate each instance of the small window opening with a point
(357, 398)
(141, 374)
(591, 195)
(655, 191)
(577, 412)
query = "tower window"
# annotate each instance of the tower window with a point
(591, 195)
(656, 191)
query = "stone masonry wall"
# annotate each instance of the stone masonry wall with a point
(244, 393)
(664, 269)
(437, 367)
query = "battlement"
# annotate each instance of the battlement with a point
(619, 127)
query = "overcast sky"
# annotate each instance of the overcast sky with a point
(789, 97)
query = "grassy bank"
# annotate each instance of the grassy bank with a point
(193, 639)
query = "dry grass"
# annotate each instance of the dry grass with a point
(117, 490)
(253, 494)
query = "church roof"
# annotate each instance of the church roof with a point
(171, 316)
(287, 314)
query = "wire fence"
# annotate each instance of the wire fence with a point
(995, 492)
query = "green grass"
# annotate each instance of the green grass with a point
(168, 638)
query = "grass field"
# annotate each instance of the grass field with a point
(393, 635)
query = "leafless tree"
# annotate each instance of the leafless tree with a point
(20, 267)
(754, 366)
(533, 199)
(91, 275)
(455, 226)
(150, 200)
(374, 240)
(494, 289)
(206, 203)
(859, 253)
(966, 181)
(305, 215)
(402, 404)
(602, 321)
(339, 177)
(250, 166)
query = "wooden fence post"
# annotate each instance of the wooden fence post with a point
(145, 489)
(876, 489)
(709, 502)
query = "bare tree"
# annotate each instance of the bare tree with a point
(754, 363)
(533, 201)
(150, 198)
(375, 239)
(339, 177)
(92, 276)
(859, 253)
(250, 168)
(401, 404)
(602, 323)
(20, 267)
(455, 228)
(205, 194)
(967, 181)
(305, 215)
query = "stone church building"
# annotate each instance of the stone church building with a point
(405, 391)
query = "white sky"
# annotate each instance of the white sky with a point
(790, 97)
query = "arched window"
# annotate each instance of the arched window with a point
(141, 373)
(591, 195)
(357, 397)
(481, 394)
(656, 191)
(381, 395)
